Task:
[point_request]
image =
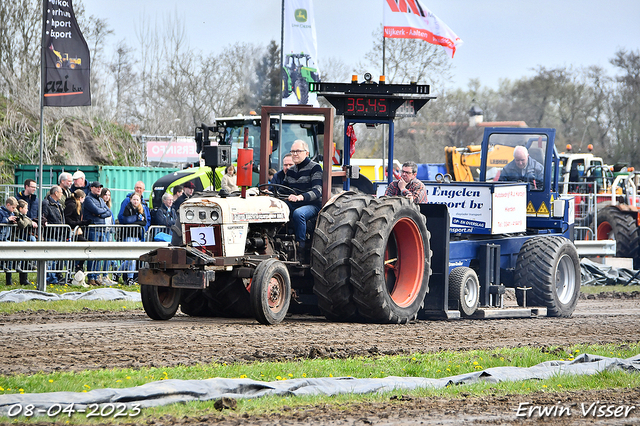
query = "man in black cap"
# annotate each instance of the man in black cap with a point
(189, 187)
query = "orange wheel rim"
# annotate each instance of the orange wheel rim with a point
(275, 294)
(604, 231)
(404, 262)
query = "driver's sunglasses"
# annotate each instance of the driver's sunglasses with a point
(297, 151)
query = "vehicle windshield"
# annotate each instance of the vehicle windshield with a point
(291, 131)
(526, 153)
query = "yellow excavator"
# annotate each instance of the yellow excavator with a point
(63, 59)
(462, 162)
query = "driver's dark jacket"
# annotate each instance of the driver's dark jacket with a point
(534, 170)
(306, 179)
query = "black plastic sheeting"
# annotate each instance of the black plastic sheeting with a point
(598, 274)
(21, 295)
(180, 391)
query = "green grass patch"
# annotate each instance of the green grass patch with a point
(596, 289)
(430, 365)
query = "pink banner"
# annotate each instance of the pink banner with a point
(177, 151)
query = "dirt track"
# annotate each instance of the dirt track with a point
(47, 341)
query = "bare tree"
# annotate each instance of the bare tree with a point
(126, 81)
(626, 107)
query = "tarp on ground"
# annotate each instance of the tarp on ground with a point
(598, 274)
(21, 295)
(181, 391)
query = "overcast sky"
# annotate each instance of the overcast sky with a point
(502, 38)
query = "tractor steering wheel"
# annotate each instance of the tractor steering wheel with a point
(276, 188)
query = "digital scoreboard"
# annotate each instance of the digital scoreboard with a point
(374, 100)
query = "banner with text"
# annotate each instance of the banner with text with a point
(410, 19)
(66, 57)
(180, 150)
(300, 53)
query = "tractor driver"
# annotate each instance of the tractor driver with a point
(523, 167)
(305, 176)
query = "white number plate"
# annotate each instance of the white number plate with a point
(203, 236)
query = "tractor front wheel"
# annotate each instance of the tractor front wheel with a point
(160, 303)
(270, 292)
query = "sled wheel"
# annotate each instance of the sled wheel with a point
(550, 266)
(160, 303)
(390, 261)
(270, 292)
(464, 289)
(614, 224)
(330, 255)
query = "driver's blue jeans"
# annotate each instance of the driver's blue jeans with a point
(299, 219)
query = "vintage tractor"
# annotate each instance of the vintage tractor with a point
(383, 260)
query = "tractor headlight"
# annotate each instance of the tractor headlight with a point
(189, 214)
(215, 215)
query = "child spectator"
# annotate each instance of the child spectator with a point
(7, 218)
(25, 233)
(229, 180)
(25, 224)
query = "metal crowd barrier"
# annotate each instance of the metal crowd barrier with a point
(107, 249)
(586, 213)
(587, 200)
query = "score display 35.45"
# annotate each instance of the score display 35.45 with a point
(368, 106)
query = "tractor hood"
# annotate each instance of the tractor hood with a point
(218, 210)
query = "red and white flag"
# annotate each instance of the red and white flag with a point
(410, 19)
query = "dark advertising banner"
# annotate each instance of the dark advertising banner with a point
(66, 57)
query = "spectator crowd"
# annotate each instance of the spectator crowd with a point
(78, 210)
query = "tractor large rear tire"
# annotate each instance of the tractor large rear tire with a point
(550, 266)
(617, 225)
(160, 303)
(390, 261)
(330, 255)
